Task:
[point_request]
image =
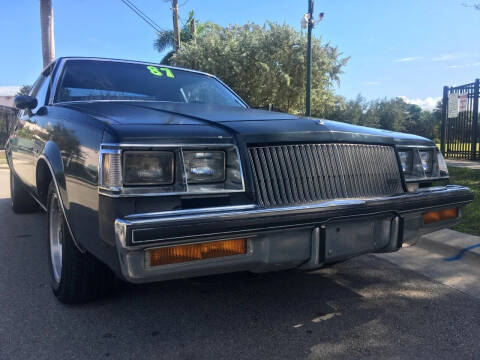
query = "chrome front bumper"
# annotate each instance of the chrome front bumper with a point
(305, 236)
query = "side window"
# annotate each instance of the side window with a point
(40, 91)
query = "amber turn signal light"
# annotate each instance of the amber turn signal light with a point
(445, 214)
(199, 251)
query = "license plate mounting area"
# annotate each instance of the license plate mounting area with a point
(346, 238)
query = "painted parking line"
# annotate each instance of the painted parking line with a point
(462, 252)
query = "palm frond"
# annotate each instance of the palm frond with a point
(164, 40)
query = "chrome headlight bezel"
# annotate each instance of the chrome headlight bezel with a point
(232, 179)
(427, 164)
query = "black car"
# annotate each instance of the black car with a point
(150, 172)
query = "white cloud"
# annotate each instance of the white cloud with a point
(464, 65)
(450, 56)
(9, 90)
(428, 103)
(408, 59)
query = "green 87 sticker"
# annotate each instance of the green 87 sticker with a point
(160, 71)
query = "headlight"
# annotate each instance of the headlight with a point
(163, 169)
(406, 159)
(427, 160)
(204, 166)
(422, 164)
(442, 165)
(148, 167)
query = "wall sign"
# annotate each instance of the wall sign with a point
(452, 105)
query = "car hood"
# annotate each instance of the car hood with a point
(252, 125)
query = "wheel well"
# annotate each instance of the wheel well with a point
(44, 177)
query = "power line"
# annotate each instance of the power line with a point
(142, 15)
(145, 15)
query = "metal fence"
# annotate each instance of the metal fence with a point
(7, 117)
(460, 130)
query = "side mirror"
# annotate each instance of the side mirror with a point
(25, 102)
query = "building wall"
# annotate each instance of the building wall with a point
(7, 101)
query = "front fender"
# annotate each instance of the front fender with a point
(51, 154)
(52, 157)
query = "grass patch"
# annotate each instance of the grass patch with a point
(471, 213)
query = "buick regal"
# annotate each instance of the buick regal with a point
(149, 172)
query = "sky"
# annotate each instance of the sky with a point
(408, 48)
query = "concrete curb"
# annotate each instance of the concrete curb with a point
(452, 243)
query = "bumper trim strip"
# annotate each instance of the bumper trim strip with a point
(141, 229)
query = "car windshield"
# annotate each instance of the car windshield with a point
(84, 80)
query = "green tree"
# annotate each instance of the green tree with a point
(390, 114)
(24, 90)
(351, 111)
(189, 32)
(437, 115)
(265, 65)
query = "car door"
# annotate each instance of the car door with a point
(24, 144)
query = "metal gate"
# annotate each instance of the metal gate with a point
(460, 130)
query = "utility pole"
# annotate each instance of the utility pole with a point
(176, 29)
(309, 59)
(46, 23)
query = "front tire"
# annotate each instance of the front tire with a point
(21, 200)
(76, 277)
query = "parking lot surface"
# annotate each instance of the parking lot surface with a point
(369, 307)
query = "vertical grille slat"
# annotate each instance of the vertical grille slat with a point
(292, 174)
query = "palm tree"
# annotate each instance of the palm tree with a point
(188, 33)
(46, 23)
(166, 38)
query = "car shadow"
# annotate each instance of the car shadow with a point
(365, 307)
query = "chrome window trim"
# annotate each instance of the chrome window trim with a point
(147, 191)
(53, 88)
(66, 59)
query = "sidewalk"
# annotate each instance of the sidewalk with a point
(475, 165)
(3, 161)
(455, 243)
(449, 257)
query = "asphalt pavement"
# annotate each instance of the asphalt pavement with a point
(374, 306)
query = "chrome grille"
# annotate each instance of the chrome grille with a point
(292, 174)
